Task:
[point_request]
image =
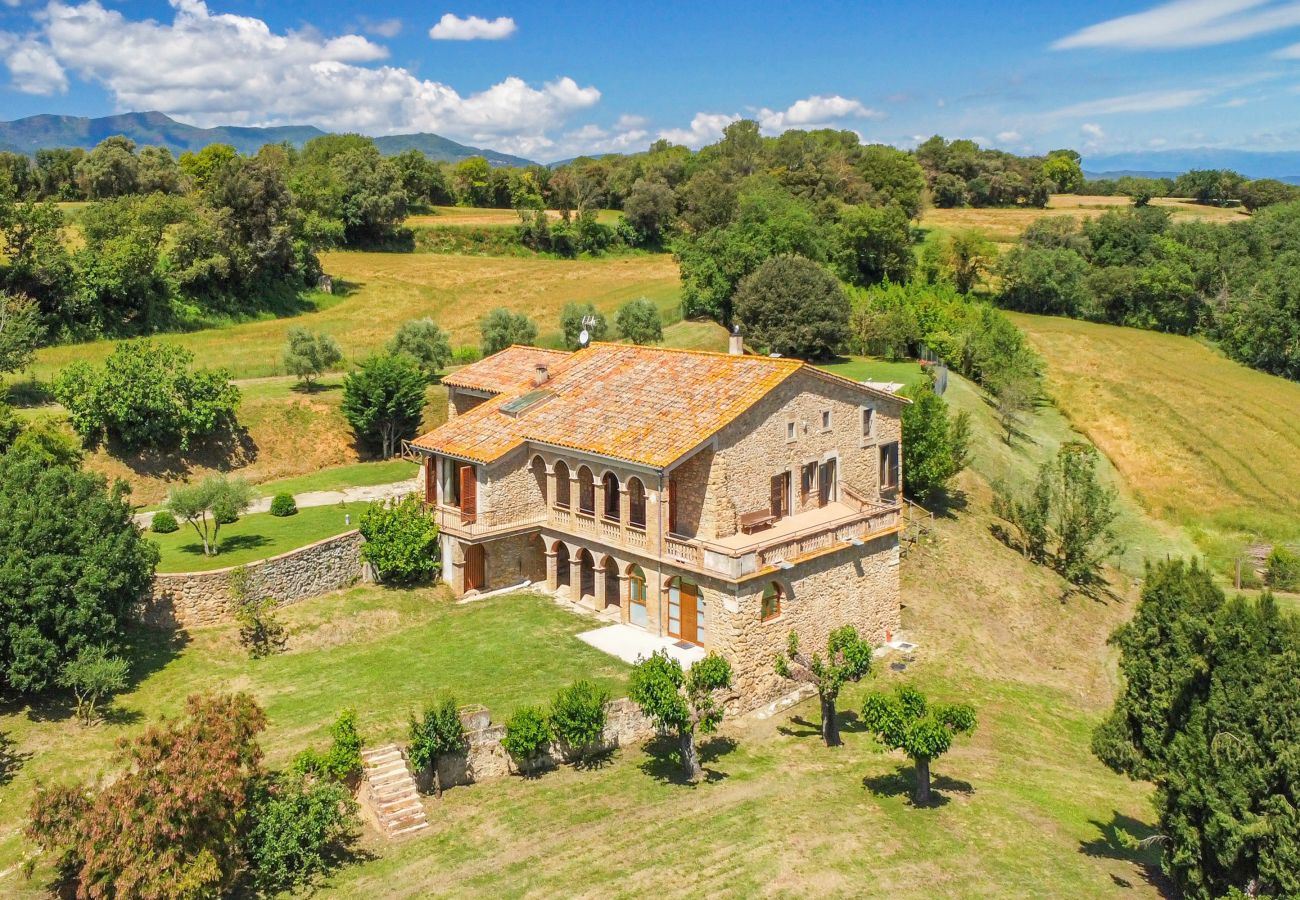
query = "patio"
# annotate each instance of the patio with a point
(629, 643)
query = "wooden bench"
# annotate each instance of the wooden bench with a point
(753, 521)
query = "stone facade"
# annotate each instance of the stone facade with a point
(190, 599)
(461, 400)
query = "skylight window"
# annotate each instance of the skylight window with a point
(521, 404)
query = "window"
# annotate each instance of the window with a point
(889, 467)
(561, 485)
(789, 431)
(826, 420)
(771, 605)
(635, 503)
(636, 596)
(807, 479)
(586, 492)
(612, 511)
(868, 422)
(781, 495)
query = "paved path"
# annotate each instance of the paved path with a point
(324, 498)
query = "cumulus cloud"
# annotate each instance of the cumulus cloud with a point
(452, 27)
(1143, 101)
(1008, 137)
(816, 111)
(705, 128)
(1187, 23)
(214, 69)
(1092, 130)
(388, 28)
(32, 66)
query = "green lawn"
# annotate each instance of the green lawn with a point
(253, 537)
(863, 368)
(384, 653)
(366, 474)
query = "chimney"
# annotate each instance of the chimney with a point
(735, 344)
(541, 375)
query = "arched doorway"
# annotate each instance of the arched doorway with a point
(636, 597)
(613, 591)
(586, 492)
(539, 474)
(635, 503)
(561, 485)
(611, 512)
(534, 560)
(685, 610)
(563, 576)
(586, 576)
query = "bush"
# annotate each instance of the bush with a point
(1283, 569)
(383, 401)
(92, 676)
(10, 426)
(342, 761)
(295, 824)
(577, 718)
(792, 306)
(283, 505)
(401, 541)
(500, 328)
(146, 395)
(260, 632)
(435, 735)
(164, 523)
(527, 734)
(638, 321)
(463, 356)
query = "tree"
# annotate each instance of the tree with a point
(571, 323)
(1062, 169)
(91, 676)
(923, 730)
(110, 170)
(437, 734)
(146, 395)
(21, 331)
(528, 731)
(383, 401)
(401, 541)
(1047, 281)
(210, 503)
(426, 343)
(1266, 192)
(308, 355)
(260, 630)
(684, 703)
(72, 565)
(874, 245)
(1013, 396)
(792, 306)
(295, 822)
(1067, 520)
(650, 208)
(961, 257)
(848, 658)
(936, 445)
(169, 823)
(1209, 711)
(500, 328)
(638, 321)
(471, 178)
(577, 718)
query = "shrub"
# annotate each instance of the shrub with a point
(577, 718)
(435, 735)
(283, 505)
(260, 632)
(10, 426)
(463, 356)
(401, 541)
(383, 401)
(527, 734)
(164, 523)
(146, 395)
(93, 675)
(342, 761)
(500, 328)
(295, 823)
(1283, 569)
(638, 321)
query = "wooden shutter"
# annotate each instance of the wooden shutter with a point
(468, 494)
(430, 483)
(780, 488)
(672, 505)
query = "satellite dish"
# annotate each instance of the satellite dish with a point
(584, 337)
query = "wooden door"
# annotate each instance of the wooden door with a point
(826, 487)
(475, 577)
(684, 610)
(781, 495)
(468, 494)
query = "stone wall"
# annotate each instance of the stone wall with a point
(512, 491)
(486, 758)
(188, 599)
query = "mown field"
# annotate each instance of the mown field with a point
(1202, 442)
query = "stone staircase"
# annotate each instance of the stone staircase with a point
(393, 792)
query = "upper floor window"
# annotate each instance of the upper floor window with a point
(826, 420)
(635, 503)
(868, 422)
(889, 467)
(771, 603)
(789, 431)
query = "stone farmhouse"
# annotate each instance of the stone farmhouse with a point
(718, 499)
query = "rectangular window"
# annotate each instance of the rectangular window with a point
(868, 422)
(807, 479)
(789, 431)
(889, 467)
(771, 607)
(826, 420)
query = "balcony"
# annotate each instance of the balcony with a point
(451, 521)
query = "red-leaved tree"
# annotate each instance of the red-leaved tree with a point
(168, 825)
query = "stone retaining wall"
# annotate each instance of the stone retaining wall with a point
(187, 599)
(624, 724)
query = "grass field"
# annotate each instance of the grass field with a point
(364, 474)
(383, 290)
(863, 369)
(255, 536)
(1203, 442)
(1003, 226)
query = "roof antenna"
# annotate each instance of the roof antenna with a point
(584, 338)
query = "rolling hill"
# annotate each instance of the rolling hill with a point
(47, 131)
(1281, 164)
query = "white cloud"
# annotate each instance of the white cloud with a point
(816, 111)
(452, 27)
(1144, 101)
(213, 69)
(1009, 137)
(388, 28)
(1187, 23)
(628, 122)
(705, 128)
(1157, 142)
(32, 67)
(1092, 130)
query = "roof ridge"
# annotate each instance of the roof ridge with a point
(719, 353)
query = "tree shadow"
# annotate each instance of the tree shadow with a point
(11, 760)
(902, 781)
(949, 503)
(316, 387)
(28, 392)
(847, 719)
(230, 448)
(664, 760)
(150, 649)
(234, 542)
(1129, 840)
(113, 714)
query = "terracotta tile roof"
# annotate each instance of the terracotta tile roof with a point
(640, 404)
(506, 370)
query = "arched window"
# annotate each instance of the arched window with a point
(586, 492)
(635, 503)
(636, 596)
(771, 605)
(539, 473)
(611, 496)
(561, 485)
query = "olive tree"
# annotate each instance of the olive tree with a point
(924, 731)
(426, 343)
(500, 328)
(638, 321)
(848, 658)
(681, 702)
(206, 505)
(309, 355)
(94, 674)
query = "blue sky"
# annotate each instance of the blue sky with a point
(549, 80)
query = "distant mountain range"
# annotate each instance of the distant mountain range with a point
(1283, 165)
(145, 128)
